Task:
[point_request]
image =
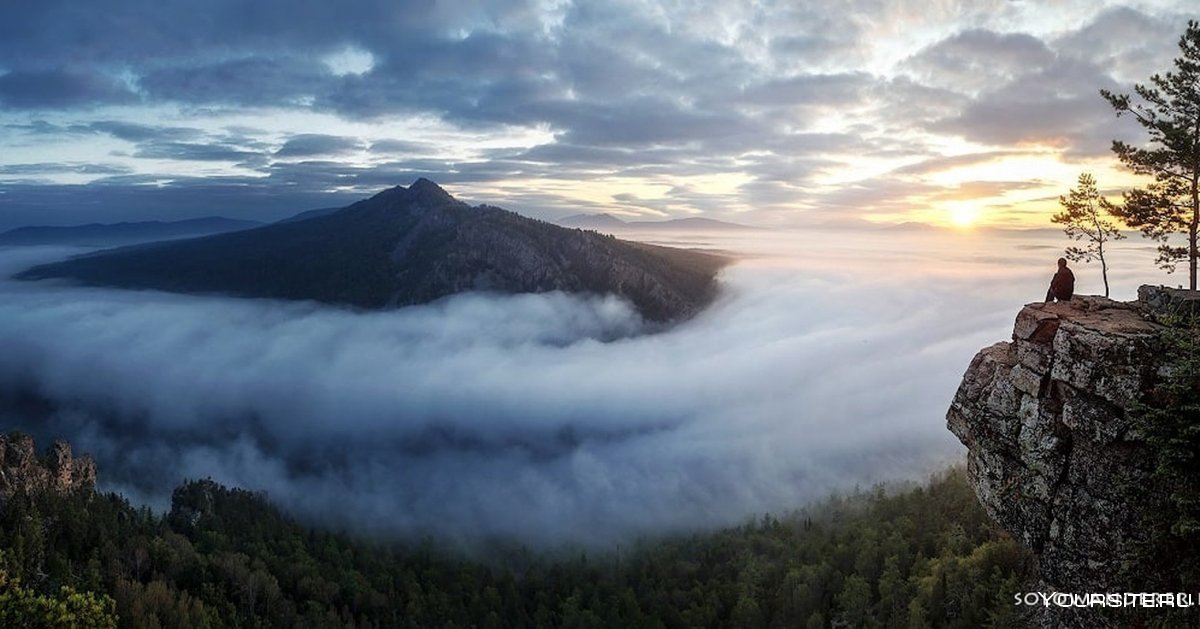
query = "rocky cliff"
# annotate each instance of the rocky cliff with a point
(21, 470)
(1055, 452)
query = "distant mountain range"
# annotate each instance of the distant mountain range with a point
(114, 234)
(304, 216)
(603, 222)
(407, 246)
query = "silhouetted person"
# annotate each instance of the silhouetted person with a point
(1063, 284)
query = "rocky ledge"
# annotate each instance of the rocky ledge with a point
(21, 470)
(1053, 452)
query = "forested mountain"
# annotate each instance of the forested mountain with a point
(926, 556)
(408, 246)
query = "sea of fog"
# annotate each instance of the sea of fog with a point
(828, 362)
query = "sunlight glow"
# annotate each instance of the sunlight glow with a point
(964, 215)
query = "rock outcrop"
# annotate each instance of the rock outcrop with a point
(21, 470)
(1054, 452)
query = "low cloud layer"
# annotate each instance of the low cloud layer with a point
(822, 366)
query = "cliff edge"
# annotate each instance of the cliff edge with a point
(1055, 453)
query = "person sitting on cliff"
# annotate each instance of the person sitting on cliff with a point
(1063, 284)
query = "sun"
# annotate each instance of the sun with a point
(964, 215)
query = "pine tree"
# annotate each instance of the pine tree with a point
(1169, 111)
(1083, 216)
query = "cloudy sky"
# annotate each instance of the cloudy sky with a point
(769, 112)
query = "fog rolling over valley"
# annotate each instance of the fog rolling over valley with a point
(827, 361)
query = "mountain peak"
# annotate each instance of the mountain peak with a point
(422, 193)
(425, 189)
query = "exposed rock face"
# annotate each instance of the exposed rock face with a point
(1052, 452)
(22, 471)
(1161, 299)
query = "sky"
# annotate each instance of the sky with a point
(827, 363)
(774, 113)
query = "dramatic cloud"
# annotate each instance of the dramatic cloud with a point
(246, 82)
(975, 59)
(63, 167)
(57, 89)
(193, 151)
(540, 418)
(1123, 40)
(1053, 102)
(762, 105)
(309, 144)
(392, 147)
(135, 132)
